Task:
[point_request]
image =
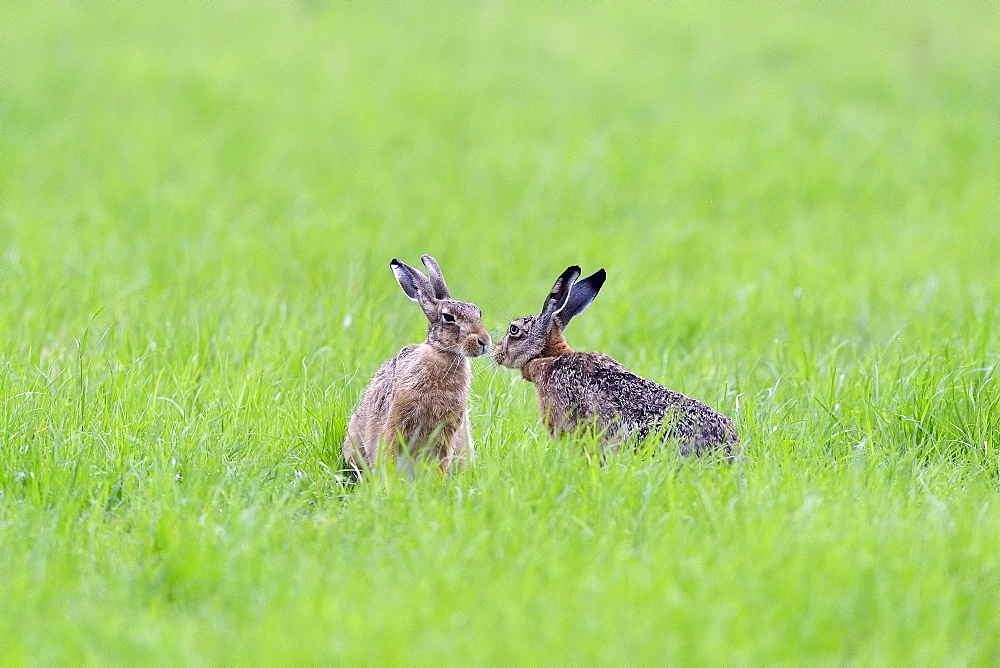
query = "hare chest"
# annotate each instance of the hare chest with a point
(430, 399)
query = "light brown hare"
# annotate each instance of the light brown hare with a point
(419, 398)
(577, 389)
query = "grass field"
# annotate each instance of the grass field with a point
(798, 205)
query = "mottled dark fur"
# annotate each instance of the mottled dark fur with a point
(578, 390)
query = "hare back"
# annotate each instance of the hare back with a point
(369, 420)
(580, 389)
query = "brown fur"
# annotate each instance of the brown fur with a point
(419, 398)
(579, 390)
(555, 345)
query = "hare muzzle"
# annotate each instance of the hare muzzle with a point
(477, 344)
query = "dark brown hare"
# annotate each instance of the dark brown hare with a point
(577, 389)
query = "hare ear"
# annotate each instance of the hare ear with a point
(415, 285)
(560, 291)
(436, 277)
(557, 298)
(581, 296)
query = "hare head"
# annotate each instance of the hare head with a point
(541, 335)
(454, 326)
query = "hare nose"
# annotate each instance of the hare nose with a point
(484, 344)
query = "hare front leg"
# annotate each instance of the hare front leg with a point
(458, 450)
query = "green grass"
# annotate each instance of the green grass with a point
(798, 207)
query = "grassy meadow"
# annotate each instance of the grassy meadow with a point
(798, 205)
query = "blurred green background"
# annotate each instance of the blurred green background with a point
(797, 205)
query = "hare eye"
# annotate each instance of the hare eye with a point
(514, 330)
(448, 317)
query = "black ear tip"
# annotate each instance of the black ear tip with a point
(572, 272)
(395, 264)
(430, 263)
